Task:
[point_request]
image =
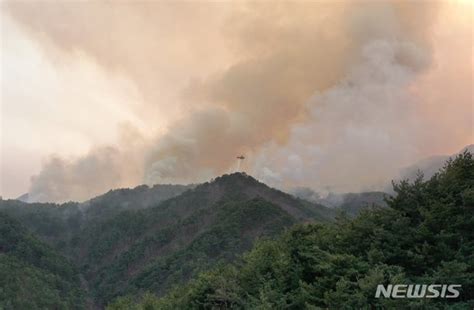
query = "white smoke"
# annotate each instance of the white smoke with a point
(359, 132)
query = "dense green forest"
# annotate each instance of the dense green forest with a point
(156, 248)
(236, 243)
(32, 274)
(121, 248)
(425, 235)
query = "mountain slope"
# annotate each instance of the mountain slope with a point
(60, 224)
(423, 236)
(33, 275)
(156, 248)
(173, 255)
(52, 223)
(151, 239)
(140, 197)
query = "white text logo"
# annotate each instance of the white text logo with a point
(417, 291)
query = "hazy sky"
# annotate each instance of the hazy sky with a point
(330, 95)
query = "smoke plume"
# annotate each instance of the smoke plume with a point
(325, 95)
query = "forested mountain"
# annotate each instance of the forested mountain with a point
(177, 247)
(32, 274)
(124, 243)
(59, 224)
(424, 236)
(140, 197)
(156, 248)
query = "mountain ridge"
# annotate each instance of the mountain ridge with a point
(143, 243)
(151, 238)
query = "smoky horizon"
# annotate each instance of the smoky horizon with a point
(332, 97)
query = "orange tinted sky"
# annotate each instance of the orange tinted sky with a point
(172, 91)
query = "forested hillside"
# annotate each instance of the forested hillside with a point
(60, 225)
(32, 274)
(124, 243)
(156, 248)
(177, 247)
(425, 236)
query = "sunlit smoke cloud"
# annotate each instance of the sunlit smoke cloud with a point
(323, 95)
